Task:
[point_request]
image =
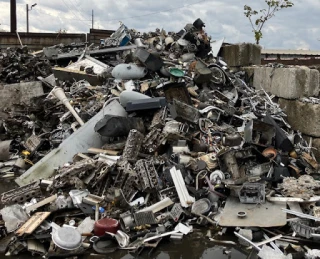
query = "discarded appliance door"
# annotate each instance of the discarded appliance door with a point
(78, 142)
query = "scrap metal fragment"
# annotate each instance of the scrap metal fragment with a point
(147, 175)
(177, 91)
(252, 193)
(303, 228)
(39, 204)
(33, 143)
(34, 222)
(144, 218)
(183, 112)
(22, 194)
(35, 247)
(176, 211)
(304, 187)
(133, 145)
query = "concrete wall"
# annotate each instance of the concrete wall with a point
(313, 61)
(95, 35)
(36, 41)
(289, 83)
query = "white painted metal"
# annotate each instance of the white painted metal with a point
(159, 205)
(85, 137)
(185, 199)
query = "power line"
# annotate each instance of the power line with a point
(43, 11)
(166, 10)
(80, 7)
(81, 13)
(75, 16)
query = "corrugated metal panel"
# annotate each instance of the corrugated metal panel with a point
(290, 52)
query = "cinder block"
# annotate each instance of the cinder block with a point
(302, 116)
(245, 54)
(288, 83)
(19, 93)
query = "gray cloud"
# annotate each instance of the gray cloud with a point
(292, 28)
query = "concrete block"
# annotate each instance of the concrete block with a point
(245, 54)
(302, 116)
(19, 93)
(288, 83)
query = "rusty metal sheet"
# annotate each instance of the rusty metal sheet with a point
(34, 222)
(260, 215)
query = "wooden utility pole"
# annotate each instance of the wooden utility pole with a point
(13, 16)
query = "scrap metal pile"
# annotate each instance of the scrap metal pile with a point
(170, 141)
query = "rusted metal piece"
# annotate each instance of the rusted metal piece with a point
(22, 194)
(148, 176)
(304, 187)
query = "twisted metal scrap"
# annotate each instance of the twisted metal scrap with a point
(304, 187)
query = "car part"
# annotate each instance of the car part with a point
(303, 228)
(148, 177)
(133, 145)
(144, 218)
(22, 194)
(252, 193)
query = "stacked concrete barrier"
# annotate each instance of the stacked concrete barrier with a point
(239, 55)
(288, 83)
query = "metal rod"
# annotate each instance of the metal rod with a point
(275, 247)
(19, 38)
(247, 240)
(27, 11)
(205, 217)
(301, 215)
(268, 240)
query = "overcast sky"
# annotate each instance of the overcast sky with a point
(292, 28)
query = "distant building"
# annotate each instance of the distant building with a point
(291, 57)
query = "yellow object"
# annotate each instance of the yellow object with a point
(25, 153)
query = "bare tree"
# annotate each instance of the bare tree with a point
(264, 15)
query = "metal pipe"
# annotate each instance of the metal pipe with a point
(247, 240)
(59, 93)
(27, 11)
(197, 178)
(301, 215)
(275, 247)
